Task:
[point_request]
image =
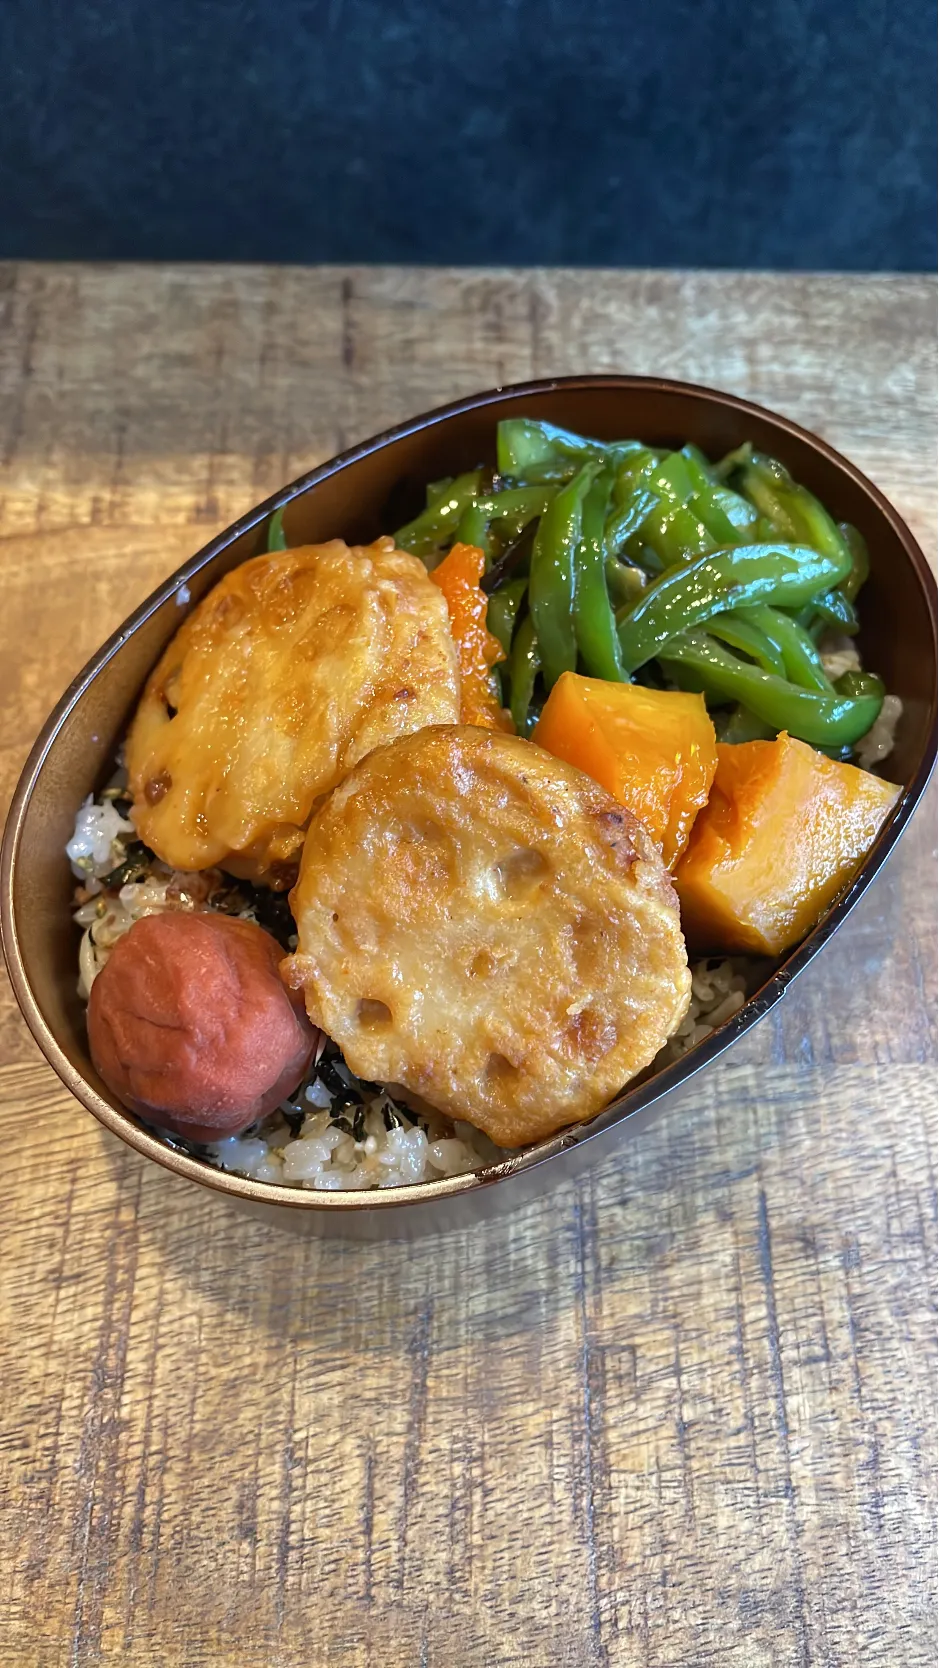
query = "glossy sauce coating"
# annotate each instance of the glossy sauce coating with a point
(292, 668)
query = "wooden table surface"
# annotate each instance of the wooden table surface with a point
(678, 1413)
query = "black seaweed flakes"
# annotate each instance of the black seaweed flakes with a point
(135, 864)
(272, 912)
(294, 1120)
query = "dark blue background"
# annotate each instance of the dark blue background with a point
(776, 133)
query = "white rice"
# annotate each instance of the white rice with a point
(718, 990)
(96, 846)
(107, 915)
(877, 745)
(326, 1158)
(838, 655)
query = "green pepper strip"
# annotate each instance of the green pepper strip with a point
(472, 528)
(436, 489)
(831, 611)
(702, 470)
(742, 635)
(670, 528)
(673, 479)
(634, 471)
(733, 460)
(624, 582)
(524, 666)
(515, 508)
(725, 579)
(438, 523)
(801, 661)
(860, 560)
(594, 621)
(728, 517)
(530, 450)
(628, 518)
(551, 580)
(524, 447)
(276, 537)
(694, 660)
(503, 609)
(792, 509)
(743, 725)
(678, 536)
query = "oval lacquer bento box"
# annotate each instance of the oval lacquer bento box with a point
(357, 496)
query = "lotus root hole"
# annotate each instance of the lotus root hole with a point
(372, 1014)
(520, 871)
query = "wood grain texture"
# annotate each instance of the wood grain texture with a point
(677, 1413)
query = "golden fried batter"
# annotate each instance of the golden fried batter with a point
(483, 924)
(294, 667)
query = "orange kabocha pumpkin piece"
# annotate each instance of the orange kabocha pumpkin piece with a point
(652, 749)
(783, 831)
(458, 576)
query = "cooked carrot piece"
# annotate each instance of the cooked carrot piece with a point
(652, 749)
(458, 576)
(783, 831)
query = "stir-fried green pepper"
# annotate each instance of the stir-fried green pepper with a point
(513, 557)
(860, 560)
(801, 662)
(502, 610)
(728, 517)
(675, 533)
(528, 450)
(524, 666)
(791, 509)
(514, 508)
(551, 581)
(631, 549)
(625, 583)
(694, 661)
(733, 460)
(594, 621)
(832, 611)
(669, 527)
(741, 634)
(276, 537)
(742, 725)
(437, 524)
(672, 478)
(472, 527)
(729, 578)
(627, 517)
(436, 489)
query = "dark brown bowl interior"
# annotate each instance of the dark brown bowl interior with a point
(369, 491)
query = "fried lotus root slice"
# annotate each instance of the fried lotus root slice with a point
(484, 925)
(293, 667)
(192, 1027)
